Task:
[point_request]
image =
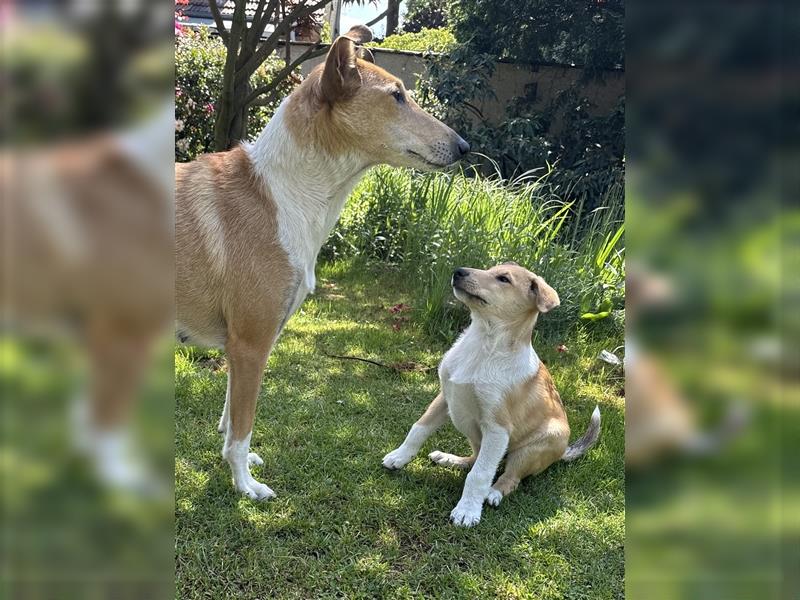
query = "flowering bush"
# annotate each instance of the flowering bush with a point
(199, 63)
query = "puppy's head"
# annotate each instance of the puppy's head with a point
(506, 293)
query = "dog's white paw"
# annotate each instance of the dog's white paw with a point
(254, 459)
(397, 459)
(255, 490)
(448, 460)
(494, 497)
(465, 515)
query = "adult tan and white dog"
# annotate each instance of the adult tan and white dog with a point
(497, 392)
(250, 222)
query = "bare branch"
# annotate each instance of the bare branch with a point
(223, 32)
(260, 21)
(268, 46)
(312, 52)
(378, 18)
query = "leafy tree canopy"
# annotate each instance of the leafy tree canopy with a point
(589, 33)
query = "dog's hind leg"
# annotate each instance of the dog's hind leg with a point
(246, 361)
(524, 462)
(451, 460)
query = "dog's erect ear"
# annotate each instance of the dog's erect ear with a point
(544, 296)
(340, 77)
(366, 54)
(360, 34)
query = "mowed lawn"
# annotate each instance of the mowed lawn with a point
(343, 526)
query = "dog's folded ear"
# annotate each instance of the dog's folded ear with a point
(340, 77)
(544, 296)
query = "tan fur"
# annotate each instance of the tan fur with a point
(241, 303)
(533, 415)
(88, 241)
(360, 122)
(236, 284)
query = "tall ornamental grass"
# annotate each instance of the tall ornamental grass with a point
(428, 225)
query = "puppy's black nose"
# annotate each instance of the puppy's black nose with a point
(460, 273)
(463, 146)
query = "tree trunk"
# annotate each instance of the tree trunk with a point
(392, 17)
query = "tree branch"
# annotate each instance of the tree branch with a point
(269, 45)
(223, 32)
(261, 20)
(312, 52)
(378, 18)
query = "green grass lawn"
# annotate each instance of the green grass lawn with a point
(343, 526)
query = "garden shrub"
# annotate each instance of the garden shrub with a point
(199, 62)
(426, 40)
(426, 225)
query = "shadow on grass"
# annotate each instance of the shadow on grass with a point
(342, 524)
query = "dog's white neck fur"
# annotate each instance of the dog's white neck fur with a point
(491, 353)
(309, 188)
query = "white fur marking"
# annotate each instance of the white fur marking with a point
(399, 458)
(479, 480)
(238, 455)
(309, 189)
(211, 230)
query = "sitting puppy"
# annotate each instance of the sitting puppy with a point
(497, 391)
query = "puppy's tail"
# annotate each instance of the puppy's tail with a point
(587, 440)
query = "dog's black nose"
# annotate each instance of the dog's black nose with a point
(463, 146)
(460, 273)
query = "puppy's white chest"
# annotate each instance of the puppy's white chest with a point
(463, 405)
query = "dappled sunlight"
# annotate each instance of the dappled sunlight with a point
(323, 426)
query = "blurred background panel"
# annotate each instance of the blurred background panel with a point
(87, 425)
(711, 363)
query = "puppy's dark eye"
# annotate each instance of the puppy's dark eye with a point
(399, 96)
(503, 279)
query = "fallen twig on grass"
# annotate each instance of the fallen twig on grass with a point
(402, 367)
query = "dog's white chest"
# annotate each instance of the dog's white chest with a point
(463, 406)
(475, 376)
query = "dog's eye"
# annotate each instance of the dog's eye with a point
(398, 95)
(503, 279)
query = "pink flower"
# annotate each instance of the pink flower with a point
(209, 107)
(178, 29)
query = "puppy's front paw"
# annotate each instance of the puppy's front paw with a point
(465, 515)
(397, 459)
(494, 497)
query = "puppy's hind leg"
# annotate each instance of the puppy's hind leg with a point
(451, 460)
(524, 462)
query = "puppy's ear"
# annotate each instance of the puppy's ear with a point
(340, 77)
(545, 297)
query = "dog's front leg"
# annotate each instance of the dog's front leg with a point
(433, 418)
(478, 484)
(246, 363)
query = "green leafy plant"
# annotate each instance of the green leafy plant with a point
(199, 61)
(428, 225)
(426, 40)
